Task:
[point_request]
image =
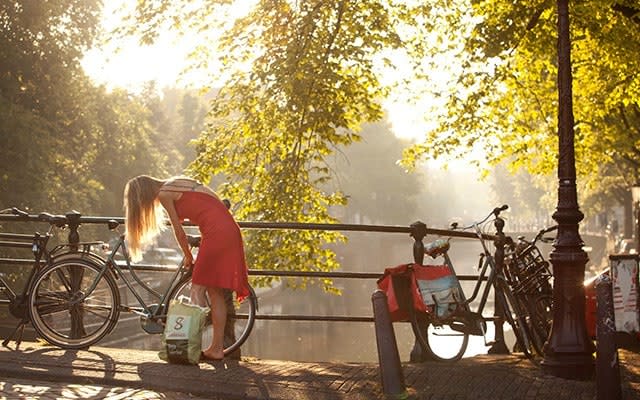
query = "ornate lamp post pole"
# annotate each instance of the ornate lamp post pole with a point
(568, 352)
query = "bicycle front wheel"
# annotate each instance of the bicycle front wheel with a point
(73, 303)
(241, 317)
(540, 316)
(440, 341)
(516, 317)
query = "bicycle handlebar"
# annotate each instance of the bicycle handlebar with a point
(59, 220)
(21, 215)
(74, 218)
(550, 229)
(543, 231)
(495, 212)
(19, 212)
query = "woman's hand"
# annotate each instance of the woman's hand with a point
(188, 260)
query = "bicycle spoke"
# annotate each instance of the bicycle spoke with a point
(64, 280)
(47, 308)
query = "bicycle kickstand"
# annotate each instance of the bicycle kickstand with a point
(19, 330)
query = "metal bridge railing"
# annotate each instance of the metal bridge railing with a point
(418, 231)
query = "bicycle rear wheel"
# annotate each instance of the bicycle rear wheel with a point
(73, 304)
(241, 317)
(439, 342)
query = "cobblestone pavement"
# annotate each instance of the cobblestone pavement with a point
(43, 372)
(44, 390)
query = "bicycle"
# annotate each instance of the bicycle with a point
(429, 328)
(530, 277)
(74, 301)
(17, 300)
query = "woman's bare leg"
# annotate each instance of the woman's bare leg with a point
(218, 320)
(198, 295)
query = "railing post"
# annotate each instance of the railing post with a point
(391, 373)
(418, 232)
(73, 220)
(499, 345)
(76, 275)
(607, 366)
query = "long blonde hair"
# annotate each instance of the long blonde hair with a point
(143, 212)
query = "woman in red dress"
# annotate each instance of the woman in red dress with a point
(220, 263)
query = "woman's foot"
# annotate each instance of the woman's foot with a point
(211, 355)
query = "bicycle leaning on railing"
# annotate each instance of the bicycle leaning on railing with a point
(73, 300)
(445, 337)
(529, 277)
(18, 300)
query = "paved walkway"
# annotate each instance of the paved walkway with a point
(41, 372)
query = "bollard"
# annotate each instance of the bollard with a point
(607, 365)
(388, 357)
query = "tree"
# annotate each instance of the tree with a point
(65, 144)
(127, 145)
(303, 80)
(506, 102)
(43, 134)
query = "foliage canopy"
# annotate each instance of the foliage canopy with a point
(65, 143)
(303, 80)
(507, 101)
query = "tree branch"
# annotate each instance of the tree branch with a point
(630, 12)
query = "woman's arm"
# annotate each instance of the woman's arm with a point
(167, 200)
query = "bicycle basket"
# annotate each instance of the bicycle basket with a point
(528, 270)
(528, 257)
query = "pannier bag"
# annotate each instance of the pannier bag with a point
(182, 338)
(427, 288)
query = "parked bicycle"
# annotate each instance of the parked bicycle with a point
(18, 299)
(73, 300)
(529, 277)
(445, 338)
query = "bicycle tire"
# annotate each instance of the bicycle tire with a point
(515, 317)
(431, 338)
(60, 321)
(540, 316)
(244, 311)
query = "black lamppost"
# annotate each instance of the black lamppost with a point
(635, 195)
(569, 352)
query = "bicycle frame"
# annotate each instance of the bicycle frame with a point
(17, 301)
(145, 310)
(38, 247)
(484, 263)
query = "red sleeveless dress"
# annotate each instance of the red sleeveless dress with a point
(220, 261)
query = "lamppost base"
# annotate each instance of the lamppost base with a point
(570, 366)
